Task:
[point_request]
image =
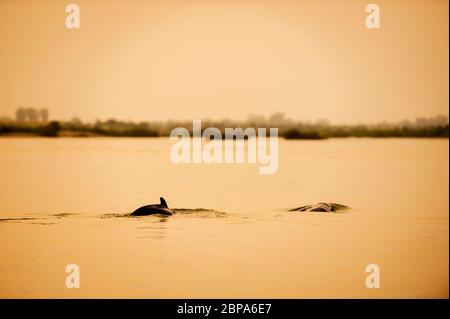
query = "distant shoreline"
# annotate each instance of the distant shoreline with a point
(290, 130)
(74, 135)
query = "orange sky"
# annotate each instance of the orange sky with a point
(154, 60)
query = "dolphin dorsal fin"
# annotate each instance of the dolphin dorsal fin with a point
(163, 202)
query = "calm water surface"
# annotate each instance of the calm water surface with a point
(61, 202)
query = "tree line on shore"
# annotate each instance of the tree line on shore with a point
(423, 127)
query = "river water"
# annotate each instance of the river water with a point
(63, 201)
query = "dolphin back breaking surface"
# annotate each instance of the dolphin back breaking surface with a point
(155, 209)
(321, 207)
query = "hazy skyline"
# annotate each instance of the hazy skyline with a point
(158, 60)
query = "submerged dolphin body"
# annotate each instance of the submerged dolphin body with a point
(320, 207)
(155, 209)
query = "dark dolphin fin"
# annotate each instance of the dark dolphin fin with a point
(163, 202)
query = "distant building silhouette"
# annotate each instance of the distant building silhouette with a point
(21, 115)
(31, 115)
(44, 115)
